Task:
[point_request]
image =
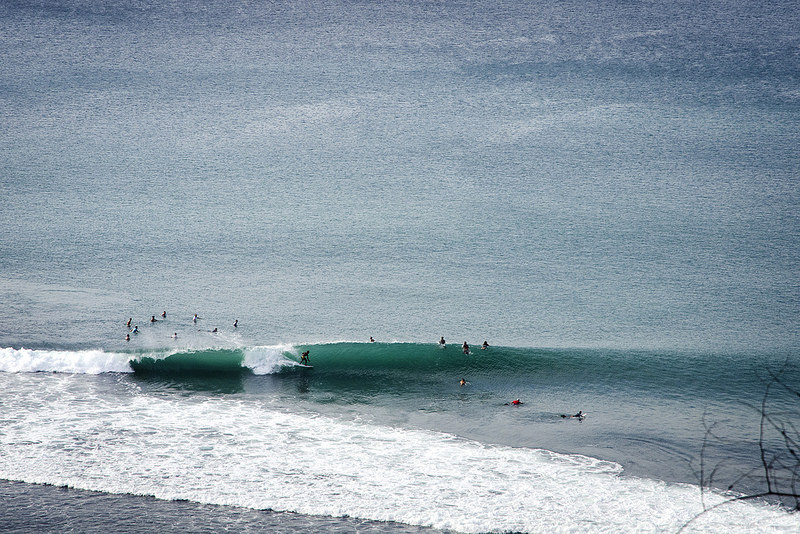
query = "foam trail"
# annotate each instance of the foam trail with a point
(55, 361)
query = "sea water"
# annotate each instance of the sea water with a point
(606, 192)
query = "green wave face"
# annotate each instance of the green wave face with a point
(404, 359)
(411, 368)
(203, 363)
(420, 370)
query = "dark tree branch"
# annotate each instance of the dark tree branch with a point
(779, 467)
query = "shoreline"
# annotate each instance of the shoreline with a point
(43, 508)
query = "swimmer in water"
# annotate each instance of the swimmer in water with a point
(304, 358)
(127, 337)
(135, 329)
(463, 382)
(485, 345)
(175, 335)
(128, 324)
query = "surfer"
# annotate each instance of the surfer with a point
(485, 345)
(213, 331)
(135, 329)
(304, 358)
(127, 337)
(164, 314)
(579, 415)
(236, 323)
(371, 339)
(515, 402)
(441, 342)
(128, 324)
(465, 347)
(175, 335)
(463, 382)
(195, 318)
(153, 319)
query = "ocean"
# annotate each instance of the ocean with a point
(605, 192)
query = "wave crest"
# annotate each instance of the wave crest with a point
(259, 360)
(89, 362)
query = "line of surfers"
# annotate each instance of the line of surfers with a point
(443, 344)
(135, 329)
(464, 346)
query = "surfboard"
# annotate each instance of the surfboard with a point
(305, 366)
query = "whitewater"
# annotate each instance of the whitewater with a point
(246, 445)
(259, 453)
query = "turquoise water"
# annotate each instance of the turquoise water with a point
(606, 192)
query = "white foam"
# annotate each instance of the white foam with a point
(86, 361)
(241, 451)
(261, 360)
(266, 360)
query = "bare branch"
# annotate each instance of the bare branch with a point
(779, 469)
